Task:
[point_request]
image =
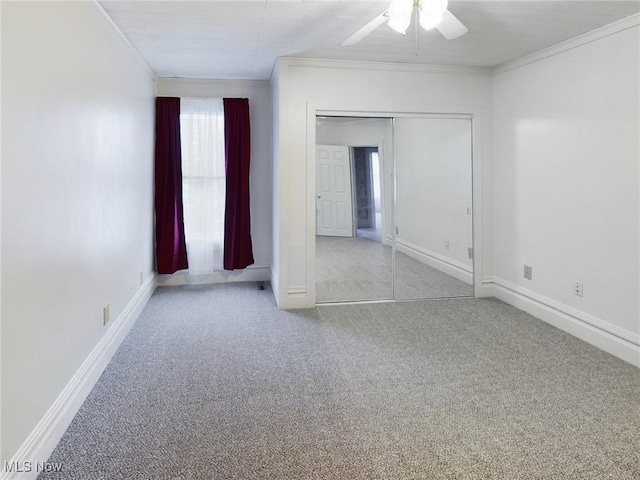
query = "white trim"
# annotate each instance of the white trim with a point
(439, 262)
(253, 273)
(488, 281)
(45, 436)
(297, 297)
(274, 287)
(485, 288)
(164, 82)
(596, 331)
(356, 302)
(297, 291)
(354, 121)
(387, 240)
(305, 296)
(476, 117)
(385, 115)
(113, 28)
(383, 66)
(589, 37)
(1, 429)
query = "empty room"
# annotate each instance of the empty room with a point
(320, 239)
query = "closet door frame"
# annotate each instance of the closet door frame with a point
(481, 286)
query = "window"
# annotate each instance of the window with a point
(203, 181)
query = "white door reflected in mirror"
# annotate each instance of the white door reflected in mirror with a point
(334, 206)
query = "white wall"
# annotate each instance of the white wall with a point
(311, 86)
(367, 132)
(77, 198)
(566, 188)
(260, 105)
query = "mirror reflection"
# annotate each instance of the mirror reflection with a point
(433, 249)
(353, 241)
(393, 208)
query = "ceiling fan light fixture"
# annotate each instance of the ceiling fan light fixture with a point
(432, 13)
(429, 22)
(400, 15)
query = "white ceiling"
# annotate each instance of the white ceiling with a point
(242, 39)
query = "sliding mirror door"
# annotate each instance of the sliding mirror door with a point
(433, 244)
(353, 209)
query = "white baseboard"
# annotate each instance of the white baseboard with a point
(45, 436)
(484, 289)
(297, 297)
(439, 262)
(253, 273)
(595, 331)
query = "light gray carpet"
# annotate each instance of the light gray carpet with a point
(214, 382)
(351, 269)
(414, 280)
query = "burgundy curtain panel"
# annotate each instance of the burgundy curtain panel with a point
(238, 252)
(171, 247)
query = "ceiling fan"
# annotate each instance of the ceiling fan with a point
(430, 13)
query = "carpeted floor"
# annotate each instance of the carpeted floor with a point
(359, 268)
(350, 269)
(214, 382)
(415, 280)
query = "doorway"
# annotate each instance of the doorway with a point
(367, 204)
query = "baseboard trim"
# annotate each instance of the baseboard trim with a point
(484, 288)
(439, 262)
(253, 273)
(45, 436)
(595, 331)
(295, 297)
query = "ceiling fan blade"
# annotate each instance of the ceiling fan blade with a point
(366, 30)
(450, 27)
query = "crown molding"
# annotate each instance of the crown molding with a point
(213, 82)
(113, 28)
(589, 37)
(381, 66)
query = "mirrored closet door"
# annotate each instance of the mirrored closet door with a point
(393, 208)
(433, 241)
(353, 209)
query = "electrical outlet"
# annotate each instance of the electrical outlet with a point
(577, 289)
(105, 315)
(141, 278)
(446, 244)
(470, 252)
(528, 272)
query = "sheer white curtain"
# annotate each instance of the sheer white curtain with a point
(203, 181)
